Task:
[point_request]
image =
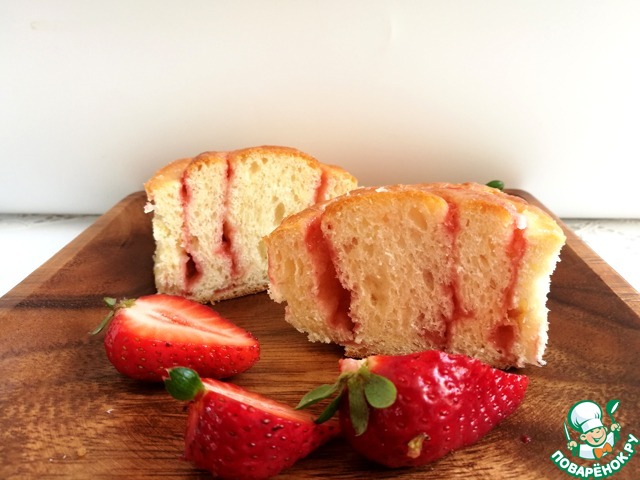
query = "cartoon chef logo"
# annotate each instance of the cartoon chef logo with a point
(595, 439)
(605, 455)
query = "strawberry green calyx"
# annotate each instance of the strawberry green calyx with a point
(113, 305)
(365, 389)
(183, 383)
(379, 391)
(499, 184)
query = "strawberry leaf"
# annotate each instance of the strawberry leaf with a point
(317, 394)
(365, 388)
(499, 184)
(330, 410)
(379, 391)
(103, 323)
(183, 383)
(110, 302)
(358, 408)
(113, 305)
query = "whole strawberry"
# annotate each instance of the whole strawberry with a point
(237, 434)
(424, 405)
(147, 335)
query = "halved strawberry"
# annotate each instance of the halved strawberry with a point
(424, 405)
(155, 332)
(237, 434)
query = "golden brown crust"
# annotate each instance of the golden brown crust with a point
(174, 170)
(171, 172)
(238, 155)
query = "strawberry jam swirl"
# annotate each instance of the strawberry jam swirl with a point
(506, 330)
(192, 266)
(321, 189)
(330, 292)
(458, 311)
(228, 232)
(505, 334)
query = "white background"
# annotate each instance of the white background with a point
(97, 95)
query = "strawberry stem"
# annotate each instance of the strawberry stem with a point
(183, 383)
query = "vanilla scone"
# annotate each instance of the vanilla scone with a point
(211, 212)
(463, 268)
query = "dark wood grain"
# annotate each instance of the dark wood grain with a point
(65, 412)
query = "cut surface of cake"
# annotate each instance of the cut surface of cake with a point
(211, 212)
(391, 270)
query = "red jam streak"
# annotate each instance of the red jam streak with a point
(192, 270)
(515, 251)
(504, 336)
(459, 311)
(321, 189)
(228, 232)
(226, 249)
(331, 294)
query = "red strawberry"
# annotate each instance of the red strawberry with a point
(155, 332)
(238, 434)
(425, 404)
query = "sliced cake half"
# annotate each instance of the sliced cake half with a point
(210, 213)
(462, 268)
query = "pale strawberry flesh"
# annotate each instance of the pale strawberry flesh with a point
(177, 319)
(163, 331)
(237, 434)
(444, 402)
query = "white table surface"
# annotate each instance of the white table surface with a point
(27, 241)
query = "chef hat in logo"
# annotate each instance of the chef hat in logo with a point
(585, 415)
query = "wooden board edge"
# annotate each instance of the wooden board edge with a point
(26, 288)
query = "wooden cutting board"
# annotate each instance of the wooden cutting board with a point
(65, 412)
